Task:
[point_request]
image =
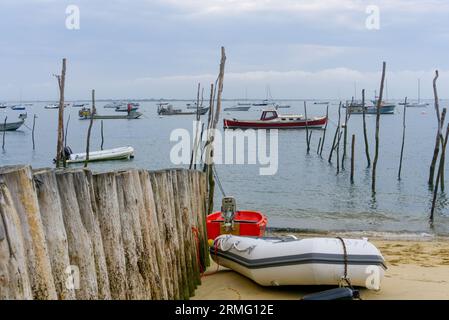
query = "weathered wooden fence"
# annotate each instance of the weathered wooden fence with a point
(131, 234)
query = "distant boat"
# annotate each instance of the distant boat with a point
(417, 104)
(321, 102)
(51, 106)
(85, 114)
(166, 109)
(264, 103)
(282, 106)
(114, 104)
(18, 107)
(79, 105)
(12, 126)
(125, 109)
(237, 108)
(358, 109)
(121, 153)
(3, 105)
(244, 103)
(270, 119)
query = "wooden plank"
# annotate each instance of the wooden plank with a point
(55, 234)
(20, 183)
(109, 221)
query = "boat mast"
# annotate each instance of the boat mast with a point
(419, 90)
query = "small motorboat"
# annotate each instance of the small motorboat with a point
(126, 109)
(85, 114)
(79, 105)
(166, 109)
(51, 106)
(231, 221)
(358, 109)
(278, 261)
(282, 106)
(270, 119)
(114, 105)
(237, 108)
(122, 153)
(3, 105)
(18, 107)
(12, 126)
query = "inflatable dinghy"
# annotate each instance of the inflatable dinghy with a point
(275, 261)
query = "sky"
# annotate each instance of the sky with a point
(299, 49)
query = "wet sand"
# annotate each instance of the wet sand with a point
(417, 269)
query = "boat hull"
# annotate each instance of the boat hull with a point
(267, 124)
(246, 223)
(104, 155)
(131, 116)
(165, 112)
(372, 110)
(12, 126)
(238, 108)
(289, 261)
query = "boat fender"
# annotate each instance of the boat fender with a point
(343, 293)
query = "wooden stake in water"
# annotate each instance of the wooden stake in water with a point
(368, 159)
(439, 133)
(325, 127)
(307, 128)
(90, 128)
(66, 131)
(435, 190)
(352, 158)
(4, 132)
(442, 160)
(345, 138)
(32, 131)
(102, 136)
(60, 157)
(319, 145)
(376, 153)
(403, 138)
(337, 130)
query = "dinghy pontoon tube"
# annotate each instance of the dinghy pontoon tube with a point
(273, 261)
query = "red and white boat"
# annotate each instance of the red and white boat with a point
(270, 119)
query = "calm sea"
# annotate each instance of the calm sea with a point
(305, 193)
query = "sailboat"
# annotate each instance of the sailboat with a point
(418, 104)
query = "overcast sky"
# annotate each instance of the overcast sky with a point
(163, 48)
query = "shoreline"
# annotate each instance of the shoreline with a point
(418, 268)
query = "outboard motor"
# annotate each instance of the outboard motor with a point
(228, 209)
(67, 152)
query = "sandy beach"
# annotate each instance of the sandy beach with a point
(418, 268)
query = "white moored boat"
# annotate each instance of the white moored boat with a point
(274, 261)
(103, 155)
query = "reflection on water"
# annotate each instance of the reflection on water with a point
(305, 193)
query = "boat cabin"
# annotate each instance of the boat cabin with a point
(269, 115)
(273, 114)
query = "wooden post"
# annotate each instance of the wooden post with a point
(160, 262)
(79, 243)
(352, 158)
(376, 154)
(337, 131)
(368, 159)
(90, 128)
(131, 234)
(102, 136)
(15, 283)
(55, 233)
(60, 157)
(403, 138)
(109, 220)
(442, 160)
(307, 128)
(319, 145)
(325, 128)
(338, 151)
(435, 190)
(32, 131)
(210, 155)
(84, 190)
(19, 181)
(439, 134)
(345, 137)
(4, 132)
(66, 131)
(193, 155)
